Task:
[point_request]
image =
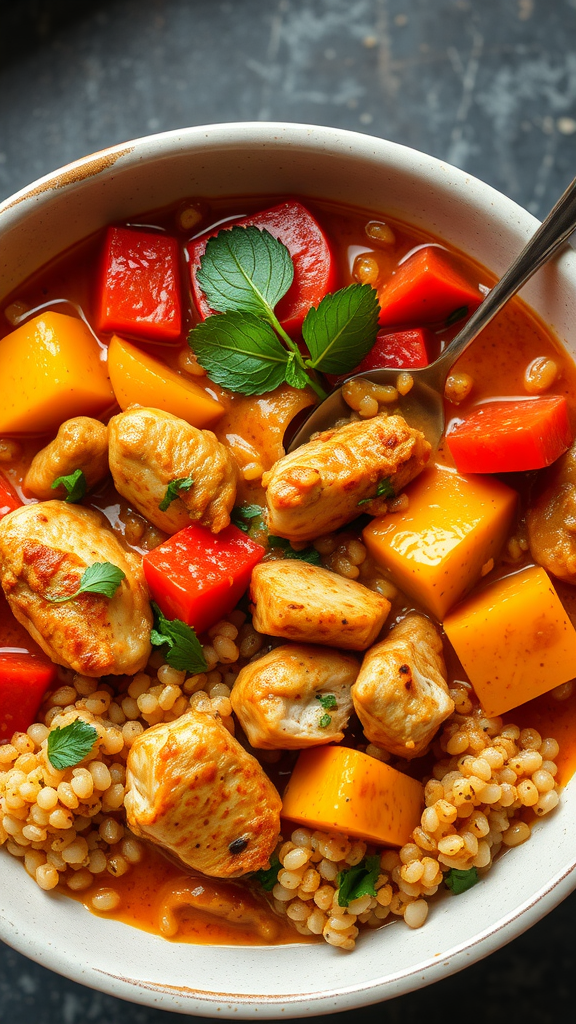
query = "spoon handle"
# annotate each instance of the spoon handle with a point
(552, 233)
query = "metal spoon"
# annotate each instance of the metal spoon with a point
(423, 406)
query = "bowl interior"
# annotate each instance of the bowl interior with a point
(245, 159)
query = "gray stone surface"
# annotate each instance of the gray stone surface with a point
(489, 85)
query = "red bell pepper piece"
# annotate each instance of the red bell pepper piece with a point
(9, 500)
(427, 288)
(508, 437)
(403, 350)
(198, 576)
(139, 287)
(24, 679)
(314, 267)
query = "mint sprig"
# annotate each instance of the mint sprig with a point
(184, 649)
(70, 745)
(240, 352)
(183, 483)
(74, 484)
(247, 270)
(342, 330)
(99, 578)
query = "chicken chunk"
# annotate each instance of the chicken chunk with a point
(81, 443)
(193, 790)
(551, 520)
(44, 551)
(401, 695)
(296, 696)
(149, 449)
(330, 480)
(305, 603)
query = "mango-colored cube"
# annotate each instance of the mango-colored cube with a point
(453, 526)
(514, 640)
(343, 790)
(51, 369)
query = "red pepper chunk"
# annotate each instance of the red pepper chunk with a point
(24, 679)
(510, 437)
(198, 576)
(139, 287)
(427, 288)
(403, 350)
(314, 269)
(9, 500)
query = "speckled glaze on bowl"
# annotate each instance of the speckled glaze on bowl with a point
(287, 981)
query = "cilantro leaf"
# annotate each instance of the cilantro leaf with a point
(184, 649)
(383, 490)
(184, 483)
(306, 555)
(343, 329)
(242, 516)
(99, 578)
(245, 269)
(458, 881)
(240, 352)
(267, 877)
(359, 880)
(327, 700)
(456, 315)
(68, 746)
(324, 721)
(74, 484)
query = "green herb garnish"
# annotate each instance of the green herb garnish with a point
(68, 746)
(74, 484)
(324, 721)
(306, 555)
(327, 700)
(456, 315)
(267, 877)
(184, 483)
(359, 880)
(244, 272)
(242, 516)
(99, 578)
(383, 490)
(184, 649)
(458, 880)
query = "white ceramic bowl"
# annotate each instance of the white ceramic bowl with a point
(286, 981)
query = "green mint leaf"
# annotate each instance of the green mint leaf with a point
(343, 328)
(242, 516)
(294, 374)
(458, 881)
(99, 578)
(74, 484)
(383, 490)
(359, 880)
(324, 721)
(327, 700)
(306, 555)
(267, 877)
(456, 315)
(246, 270)
(240, 352)
(184, 649)
(184, 483)
(68, 746)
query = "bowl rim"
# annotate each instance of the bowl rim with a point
(209, 1003)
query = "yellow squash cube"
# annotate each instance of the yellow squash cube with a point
(514, 639)
(343, 790)
(51, 369)
(435, 550)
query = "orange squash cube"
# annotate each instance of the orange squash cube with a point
(343, 790)
(435, 550)
(514, 639)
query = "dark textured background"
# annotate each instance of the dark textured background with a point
(489, 85)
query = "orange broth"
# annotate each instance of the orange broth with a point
(496, 361)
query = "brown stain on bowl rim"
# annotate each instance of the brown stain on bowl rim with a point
(79, 171)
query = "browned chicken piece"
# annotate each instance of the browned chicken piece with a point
(401, 695)
(296, 696)
(44, 550)
(305, 603)
(81, 443)
(224, 900)
(149, 449)
(551, 520)
(193, 790)
(332, 479)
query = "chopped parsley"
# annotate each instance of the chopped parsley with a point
(267, 877)
(383, 490)
(184, 649)
(99, 578)
(184, 483)
(359, 880)
(71, 744)
(74, 484)
(458, 880)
